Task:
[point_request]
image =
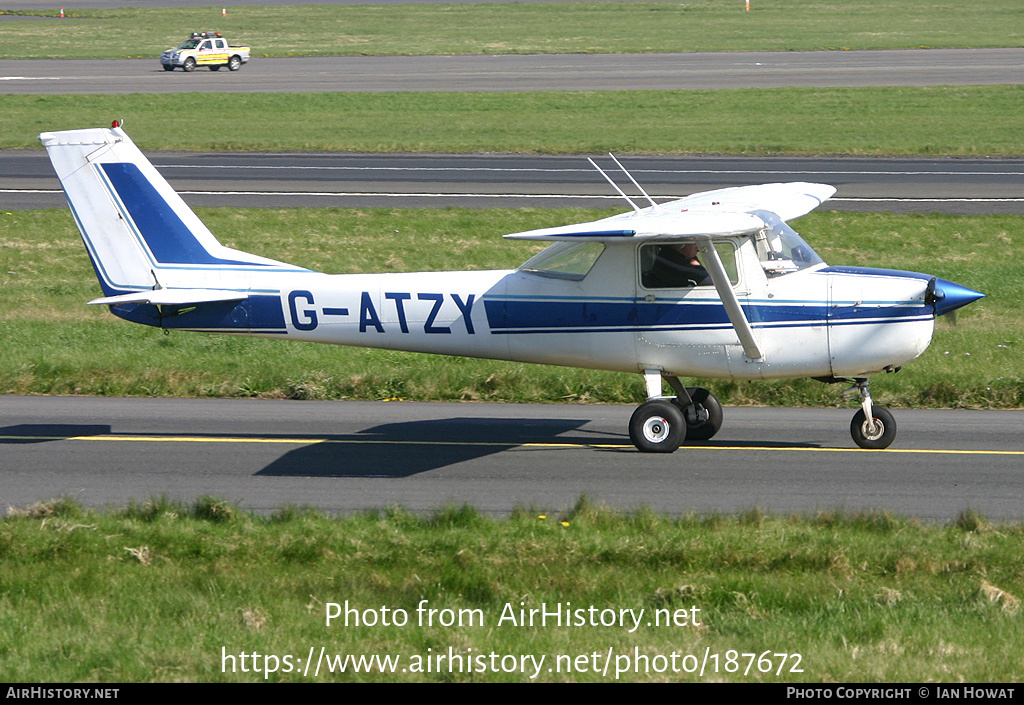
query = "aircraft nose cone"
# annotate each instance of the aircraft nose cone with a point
(949, 296)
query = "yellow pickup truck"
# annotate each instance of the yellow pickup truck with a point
(205, 49)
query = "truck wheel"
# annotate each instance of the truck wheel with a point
(234, 63)
(168, 67)
(215, 68)
(189, 65)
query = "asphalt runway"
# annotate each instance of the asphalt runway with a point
(348, 456)
(947, 185)
(527, 72)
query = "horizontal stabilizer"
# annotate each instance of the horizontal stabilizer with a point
(172, 297)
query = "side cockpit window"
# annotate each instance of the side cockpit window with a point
(678, 265)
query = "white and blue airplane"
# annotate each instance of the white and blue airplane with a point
(713, 285)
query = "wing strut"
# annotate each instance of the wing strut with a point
(713, 263)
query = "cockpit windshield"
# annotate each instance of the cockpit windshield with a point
(780, 249)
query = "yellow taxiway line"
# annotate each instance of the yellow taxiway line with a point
(496, 444)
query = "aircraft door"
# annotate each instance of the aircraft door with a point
(682, 327)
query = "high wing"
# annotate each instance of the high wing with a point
(787, 200)
(649, 224)
(705, 215)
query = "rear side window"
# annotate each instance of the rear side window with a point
(565, 260)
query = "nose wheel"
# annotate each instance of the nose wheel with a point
(878, 434)
(873, 427)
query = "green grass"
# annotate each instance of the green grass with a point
(51, 343)
(513, 28)
(158, 591)
(969, 120)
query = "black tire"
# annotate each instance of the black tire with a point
(704, 430)
(215, 68)
(168, 67)
(234, 63)
(657, 427)
(189, 65)
(882, 437)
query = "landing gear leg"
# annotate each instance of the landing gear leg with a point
(873, 426)
(701, 409)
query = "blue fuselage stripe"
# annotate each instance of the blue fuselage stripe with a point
(538, 316)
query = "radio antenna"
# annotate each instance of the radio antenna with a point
(641, 188)
(614, 185)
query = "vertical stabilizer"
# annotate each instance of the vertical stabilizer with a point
(116, 254)
(139, 233)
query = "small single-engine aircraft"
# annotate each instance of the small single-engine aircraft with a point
(712, 285)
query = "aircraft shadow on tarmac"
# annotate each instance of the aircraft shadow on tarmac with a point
(46, 432)
(397, 450)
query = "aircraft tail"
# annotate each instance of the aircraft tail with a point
(140, 235)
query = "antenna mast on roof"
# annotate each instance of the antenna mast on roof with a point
(615, 186)
(619, 164)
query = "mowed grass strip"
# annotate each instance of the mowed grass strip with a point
(522, 28)
(52, 343)
(967, 120)
(161, 591)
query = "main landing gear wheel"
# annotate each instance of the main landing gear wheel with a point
(881, 435)
(657, 427)
(704, 417)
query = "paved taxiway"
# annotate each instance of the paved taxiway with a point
(346, 456)
(528, 72)
(948, 185)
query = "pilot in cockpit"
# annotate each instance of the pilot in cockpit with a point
(675, 266)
